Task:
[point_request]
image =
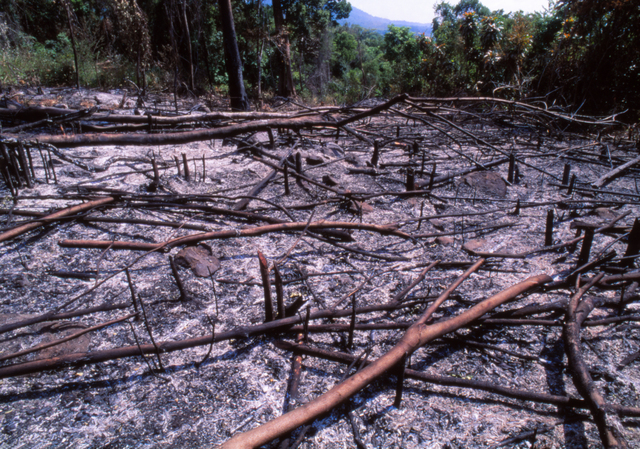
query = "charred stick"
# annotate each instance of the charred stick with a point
(432, 177)
(187, 175)
(133, 292)
(300, 176)
(260, 329)
(299, 162)
(260, 186)
(528, 253)
(292, 389)
(54, 217)
(526, 435)
(352, 325)
(548, 235)
(176, 275)
(571, 184)
(33, 171)
(156, 173)
(375, 158)
(24, 164)
(269, 314)
(7, 177)
(512, 167)
(170, 224)
(335, 327)
(475, 344)
(213, 339)
(586, 248)
(565, 174)
(215, 295)
(577, 311)
(426, 315)
(44, 165)
(146, 360)
(397, 299)
(629, 359)
(400, 373)
(306, 324)
(287, 191)
(279, 292)
(192, 239)
(451, 381)
(634, 244)
(177, 345)
(356, 433)
(53, 169)
(148, 326)
(371, 254)
(411, 180)
(178, 165)
(15, 165)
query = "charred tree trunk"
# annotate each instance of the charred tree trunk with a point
(73, 43)
(285, 82)
(239, 100)
(188, 38)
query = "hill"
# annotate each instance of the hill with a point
(366, 20)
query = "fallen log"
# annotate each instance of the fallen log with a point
(37, 113)
(418, 335)
(295, 124)
(279, 325)
(53, 217)
(615, 172)
(551, 114)
(231, 233)
(451, 381)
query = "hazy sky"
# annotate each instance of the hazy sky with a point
(422, 10)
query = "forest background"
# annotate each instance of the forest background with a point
(580, 54)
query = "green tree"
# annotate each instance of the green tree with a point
(597, 58)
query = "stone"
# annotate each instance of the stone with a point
(199, 259)
(315, 160)
(355, 207)
(474, 245)
(332, 150)
(605, 213)
(414, 201)
(354, 160)
(488, 182)
(48, 332)
(260, 138)
(438, 223)
(444, 241)
(330, 180)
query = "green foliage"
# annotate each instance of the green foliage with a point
(582, 53)
(597, 52)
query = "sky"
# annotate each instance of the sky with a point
(422, 10)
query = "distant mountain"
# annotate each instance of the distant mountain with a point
(365, 20)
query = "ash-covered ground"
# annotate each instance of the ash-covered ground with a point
(206, 394)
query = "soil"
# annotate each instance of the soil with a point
(202, 396)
